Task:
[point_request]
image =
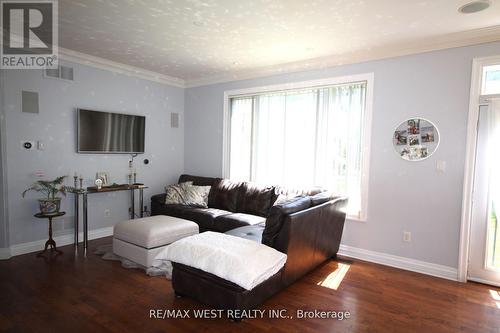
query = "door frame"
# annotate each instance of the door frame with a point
(470, 157)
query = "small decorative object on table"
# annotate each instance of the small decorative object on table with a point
(50, 242)
(103, 176)
(50, 204)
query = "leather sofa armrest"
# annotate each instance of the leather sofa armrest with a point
(311, 236)
(278, 213)
(159, 198)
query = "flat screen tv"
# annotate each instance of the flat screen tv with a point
(111, 133)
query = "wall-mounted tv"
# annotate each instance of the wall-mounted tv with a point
(110, 133)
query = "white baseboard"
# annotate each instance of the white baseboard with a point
(492, 283)
(5, 253)
(413, 265)
(63, 240)
(408, 264)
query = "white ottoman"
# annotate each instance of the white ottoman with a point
(140, 240)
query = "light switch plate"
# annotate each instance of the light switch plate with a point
(441, 166)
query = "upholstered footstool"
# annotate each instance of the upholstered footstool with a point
(140, 240)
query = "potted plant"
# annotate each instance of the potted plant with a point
(50, 204)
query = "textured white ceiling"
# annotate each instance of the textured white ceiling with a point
(196, 39)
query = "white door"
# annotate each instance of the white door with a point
(484, 254)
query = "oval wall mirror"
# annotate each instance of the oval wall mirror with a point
(416, 139)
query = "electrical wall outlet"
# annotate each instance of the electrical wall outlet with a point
(406, 236)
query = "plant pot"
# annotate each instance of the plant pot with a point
(49, 206)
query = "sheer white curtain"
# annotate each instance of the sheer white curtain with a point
(301, 138)
(493, 163)
(241, 138)
(339, 141)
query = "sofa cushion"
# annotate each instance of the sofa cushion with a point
(251, 232)
(277, 215)
(224, 223)
(321, 198)
(256, 199)
(205, 217)
(226, 194)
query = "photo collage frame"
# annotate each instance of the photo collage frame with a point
(415, 139)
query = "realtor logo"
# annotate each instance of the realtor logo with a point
(29, 34)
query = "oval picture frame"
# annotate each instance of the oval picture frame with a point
(416, 139)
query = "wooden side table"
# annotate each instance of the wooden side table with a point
(51, 241)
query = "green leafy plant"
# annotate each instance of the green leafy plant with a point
(50, 188)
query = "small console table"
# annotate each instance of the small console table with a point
(93, 190)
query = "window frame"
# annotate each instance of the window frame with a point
(367, 123)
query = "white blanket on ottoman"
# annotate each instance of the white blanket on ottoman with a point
(241, 261)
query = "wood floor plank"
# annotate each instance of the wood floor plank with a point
(76, 294)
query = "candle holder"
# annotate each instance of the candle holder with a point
(81, 182)
(129, 178)
(135, 177)
(75, 181)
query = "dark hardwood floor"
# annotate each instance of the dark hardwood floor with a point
(93, 295)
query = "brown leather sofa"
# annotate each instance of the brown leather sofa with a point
(230, 204)
(308, 228)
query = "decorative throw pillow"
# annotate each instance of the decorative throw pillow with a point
(196, 196)
(174, 193)
(187, 194)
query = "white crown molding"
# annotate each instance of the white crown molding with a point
(101, 63)
(408, 264)
(23, 248)
(453, 40)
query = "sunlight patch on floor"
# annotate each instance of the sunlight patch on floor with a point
(334, 279)
(496, 296)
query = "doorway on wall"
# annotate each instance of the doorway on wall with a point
(484, 236)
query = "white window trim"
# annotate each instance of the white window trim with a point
(475, 100)
(367, 123)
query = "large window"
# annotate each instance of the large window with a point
(314, 133)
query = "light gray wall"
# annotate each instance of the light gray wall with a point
(4, 226)
(403, 196)
(55, 125)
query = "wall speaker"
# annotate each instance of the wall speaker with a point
(61, 72)
(66, 73)
(174, 120)
(29, 101)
